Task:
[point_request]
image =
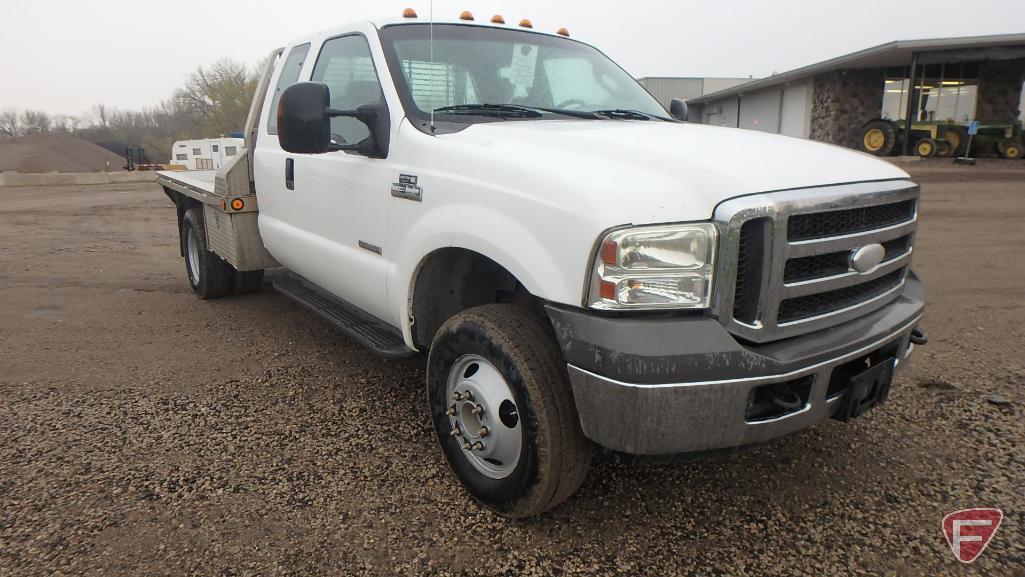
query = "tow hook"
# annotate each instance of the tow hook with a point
(918, 337)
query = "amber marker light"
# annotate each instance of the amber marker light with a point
(609, 250)
(409, 13)
(238, 204)
(466, 15)
(497, 19)
(526, 23)
(563, 32)
(608, 290)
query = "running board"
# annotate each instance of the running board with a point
(366, 329)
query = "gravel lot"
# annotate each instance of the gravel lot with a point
(146, 432)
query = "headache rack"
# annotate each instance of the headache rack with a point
(785, 260)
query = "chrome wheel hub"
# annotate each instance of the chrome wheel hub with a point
(484, 417)
(193, 256)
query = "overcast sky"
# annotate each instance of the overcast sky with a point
(63, 56)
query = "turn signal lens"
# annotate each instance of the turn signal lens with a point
(238, 204)
(497, 19)
(526, 23)
(466, 15)
(409, 13)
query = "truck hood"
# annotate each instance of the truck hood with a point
(638, 172)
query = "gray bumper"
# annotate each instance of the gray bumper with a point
(663, 385)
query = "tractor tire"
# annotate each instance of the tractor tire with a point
(944, 149)
(926, 148)
(957, 136)
(879, 138)
(1012, 150)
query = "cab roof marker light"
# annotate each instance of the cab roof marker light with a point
(497, 19)
(466, 15)
(409, 13)
(526, 23)
(563, 32)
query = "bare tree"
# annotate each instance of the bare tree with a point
(100, 113)
(10, 123)
(218, 97)
(36, 121)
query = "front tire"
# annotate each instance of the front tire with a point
(503, 410)
(209, 276)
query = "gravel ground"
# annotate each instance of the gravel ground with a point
(146, 432)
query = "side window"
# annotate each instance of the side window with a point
(181, 157)
(230, 151)
(289, 75)
(196, 152)
(346, 66)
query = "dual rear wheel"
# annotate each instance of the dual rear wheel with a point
(209, 275)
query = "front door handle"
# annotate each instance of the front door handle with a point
(290, 173)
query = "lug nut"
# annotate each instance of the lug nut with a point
(457, 396)
(455, 432)
(451, 411)
(478, 446)
(478, 409)
(483, 432)
(466, 446)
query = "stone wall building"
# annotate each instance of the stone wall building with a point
(944, 82)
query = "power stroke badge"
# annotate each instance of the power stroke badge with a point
(407, 188)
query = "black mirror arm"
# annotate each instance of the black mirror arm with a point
(365, 114)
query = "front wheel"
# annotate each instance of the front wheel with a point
(503, 410)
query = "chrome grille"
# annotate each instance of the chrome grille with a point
(785, 259)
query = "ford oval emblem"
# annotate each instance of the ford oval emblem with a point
(867, 258)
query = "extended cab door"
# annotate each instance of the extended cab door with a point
(323, 216)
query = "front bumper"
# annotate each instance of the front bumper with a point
(664, 385)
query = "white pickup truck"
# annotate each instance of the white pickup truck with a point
(586, 272)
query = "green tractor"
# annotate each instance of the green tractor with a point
(883, 137)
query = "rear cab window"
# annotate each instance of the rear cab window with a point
(289, 75)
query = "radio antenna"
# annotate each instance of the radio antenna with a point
(430, 15)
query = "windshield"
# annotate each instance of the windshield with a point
(508, 74)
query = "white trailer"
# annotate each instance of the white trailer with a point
(207, 153)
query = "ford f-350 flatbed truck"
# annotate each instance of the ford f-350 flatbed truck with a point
(584, 270)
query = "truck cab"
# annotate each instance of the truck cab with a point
(585, 271)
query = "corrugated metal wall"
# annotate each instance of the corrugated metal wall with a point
(666, 89)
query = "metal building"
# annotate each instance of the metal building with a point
(916, 90)
(665, 88)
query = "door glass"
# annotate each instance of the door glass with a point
(289, 75)
(347, 68)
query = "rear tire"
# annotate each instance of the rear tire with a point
(209, 276)
(504, 353)
(879, 138)
(926, 148)
(944, 149)
(1012, 150)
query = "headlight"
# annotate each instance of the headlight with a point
(654, 267)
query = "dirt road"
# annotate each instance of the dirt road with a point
(146, 432)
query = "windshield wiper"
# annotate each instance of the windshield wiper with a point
(498, 110)
(564, 112)
(514, 111)
(621, 114)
